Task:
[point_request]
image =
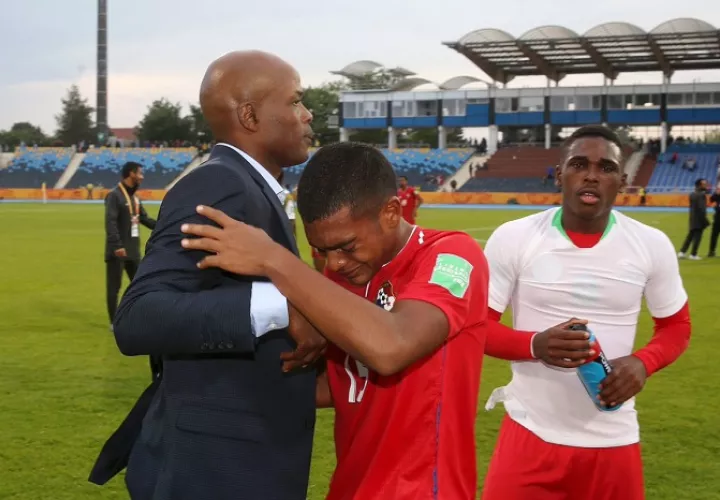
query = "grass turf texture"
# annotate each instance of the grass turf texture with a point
(64, 386)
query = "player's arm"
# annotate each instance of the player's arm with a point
(503, 342)
(431, 310)
(556, 346)
(668, 304)
(112, 213)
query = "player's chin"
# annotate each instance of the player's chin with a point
(358, 278)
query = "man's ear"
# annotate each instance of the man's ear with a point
(247, 116)
(558, 176)
(391, 213)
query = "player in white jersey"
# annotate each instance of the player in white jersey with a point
(585, 260)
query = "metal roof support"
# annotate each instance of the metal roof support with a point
(660, 56)
(542, 64)
(603, 65)
(491, 69)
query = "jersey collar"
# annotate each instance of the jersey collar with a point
(557, 223)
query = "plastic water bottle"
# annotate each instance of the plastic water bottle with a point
(594, 371)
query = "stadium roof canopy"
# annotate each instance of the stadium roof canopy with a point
(359, 69)
(608, 49)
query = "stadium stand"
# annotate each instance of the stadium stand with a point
(645, 171)
(519, 169)
(672, 177)
(101, 166)
(33, 166)
(422, 167)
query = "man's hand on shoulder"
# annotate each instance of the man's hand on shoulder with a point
(310, 344)
(559, 346)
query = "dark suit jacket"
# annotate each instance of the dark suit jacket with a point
(715, 198)
(118, 224)
(225, 422)
(698, 210)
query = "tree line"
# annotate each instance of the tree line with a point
(166, 122)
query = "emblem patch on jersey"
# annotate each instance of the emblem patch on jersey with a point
(452, 272)
(385, 296)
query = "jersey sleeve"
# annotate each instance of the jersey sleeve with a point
(451, 275)
(500, 251)
(664, 292)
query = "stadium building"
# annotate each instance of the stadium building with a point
(534, 117)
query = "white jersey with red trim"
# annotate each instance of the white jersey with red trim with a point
(546, 279)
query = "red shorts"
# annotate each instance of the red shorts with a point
(524, 467)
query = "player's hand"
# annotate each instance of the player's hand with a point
(626, 380)
(120, 252)
(237, 247)
(559, 346)
(310, 344)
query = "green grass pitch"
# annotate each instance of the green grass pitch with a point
(64, 386)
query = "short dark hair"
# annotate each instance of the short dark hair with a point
(594, 131)
(699, 182)
(345, 174)
(402, 177)
(129, 168)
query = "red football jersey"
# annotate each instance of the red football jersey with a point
(408, 200)
(412, 435)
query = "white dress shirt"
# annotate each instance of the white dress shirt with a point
(268, 307)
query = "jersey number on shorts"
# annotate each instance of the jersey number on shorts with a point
(358, 379)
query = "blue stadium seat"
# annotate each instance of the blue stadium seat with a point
(33, 166)
(101, 166)
(693, 148)
(672, 178)
(508, 185)
(420, 166)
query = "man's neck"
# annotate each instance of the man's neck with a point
(128, 183)
(256, 154)
(576, 225)
(404, 232)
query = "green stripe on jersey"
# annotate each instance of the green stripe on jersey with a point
(557, 223)
(452, 272)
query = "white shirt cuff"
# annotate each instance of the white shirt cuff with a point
(268, 309)
(532, 340)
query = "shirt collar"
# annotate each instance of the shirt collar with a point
(271, 181)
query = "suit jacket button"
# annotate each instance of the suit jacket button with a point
(204, 347)
(229, 345)
(221, 345)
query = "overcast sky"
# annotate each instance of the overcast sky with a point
(161, 47)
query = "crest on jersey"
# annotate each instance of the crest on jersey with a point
(386, 296)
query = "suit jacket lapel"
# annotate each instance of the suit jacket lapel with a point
(275, 202)
(269, 194)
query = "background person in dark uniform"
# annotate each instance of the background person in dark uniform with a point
(715, 198)
(123, 215)
(698, 220)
